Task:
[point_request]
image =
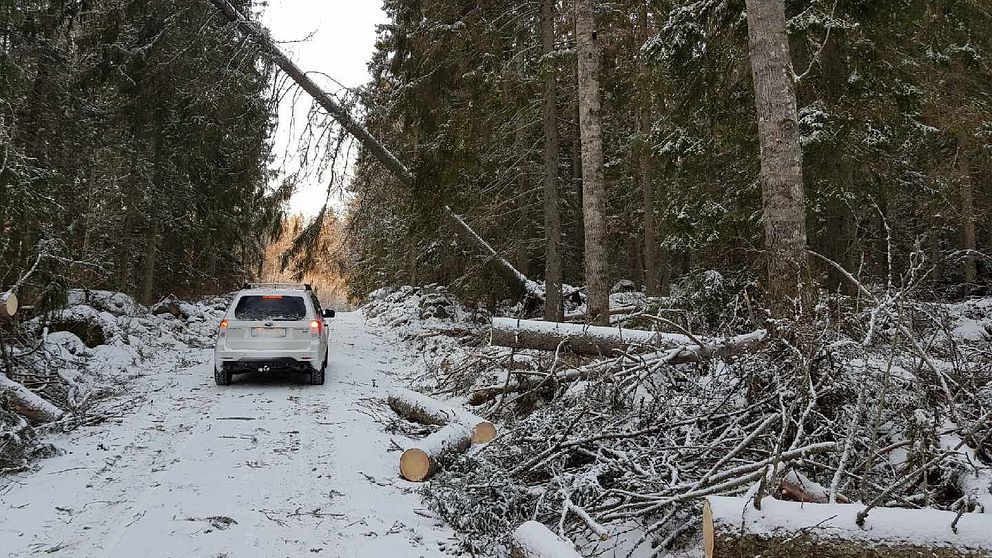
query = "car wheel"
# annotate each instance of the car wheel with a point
(317, 376)
(222, 377)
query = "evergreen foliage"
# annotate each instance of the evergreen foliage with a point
(895, 112)
(135, 138)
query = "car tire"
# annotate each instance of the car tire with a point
(222, 377)
(317, 376)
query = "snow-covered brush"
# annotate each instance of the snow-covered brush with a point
(633, 442)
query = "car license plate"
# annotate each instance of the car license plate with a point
(269, 332)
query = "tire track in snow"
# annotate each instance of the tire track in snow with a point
(267, 467)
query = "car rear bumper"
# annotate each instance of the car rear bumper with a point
(251, 361)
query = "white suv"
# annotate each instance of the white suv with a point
(272, 326)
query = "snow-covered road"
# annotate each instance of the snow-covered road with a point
(267, 467)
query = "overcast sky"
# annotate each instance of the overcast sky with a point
(342, 42)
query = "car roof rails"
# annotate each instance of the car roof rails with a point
(288, 286)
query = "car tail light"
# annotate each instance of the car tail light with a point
(223, 328)
(315, 328)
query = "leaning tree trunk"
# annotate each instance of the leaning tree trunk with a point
(781, 156)
(340, 114)
(593, 186)
(554, 311)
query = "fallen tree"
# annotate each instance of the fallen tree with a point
(420, 460)
(602, 340)
(733, 527)
(26, 403)
(627, 366)
(528, 289)
(534, 540)
(420, 408)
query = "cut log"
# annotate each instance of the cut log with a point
(421, 458)
(418, 407)
(534, 540)
(732, 528)
(26, 403)
(8, 305)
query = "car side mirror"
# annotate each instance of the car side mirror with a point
(327, 313)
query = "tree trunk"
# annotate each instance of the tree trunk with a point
(652, 259)
(732, 528)
(593, 187)
(781, 157)
(968, 243)
(554, 311)
(148, 273)
(836, 165)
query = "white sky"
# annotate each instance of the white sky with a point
(342, 43)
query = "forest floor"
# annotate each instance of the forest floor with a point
(269, 466)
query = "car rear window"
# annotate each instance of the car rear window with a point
(276, 308)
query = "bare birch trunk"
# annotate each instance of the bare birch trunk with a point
(553, 309)
(781, 155)
(593, 187)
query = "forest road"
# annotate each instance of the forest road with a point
(269, 466)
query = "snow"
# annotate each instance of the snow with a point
(892, 525)
(973, 319)
(536, 540)
(267, 467)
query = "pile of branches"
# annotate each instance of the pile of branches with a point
(878, 399)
